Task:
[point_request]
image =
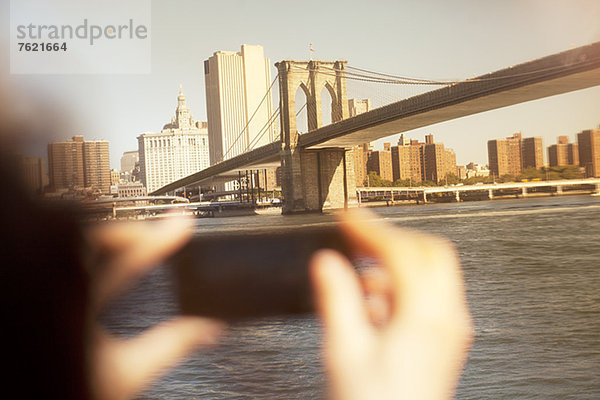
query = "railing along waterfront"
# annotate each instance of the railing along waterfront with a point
(493, 190)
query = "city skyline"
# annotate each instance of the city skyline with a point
(429, 40)
(432, 162)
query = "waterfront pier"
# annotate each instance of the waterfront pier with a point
(457, 193)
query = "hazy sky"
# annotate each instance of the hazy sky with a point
(428, 39)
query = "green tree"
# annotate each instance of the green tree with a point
(531, 173)
(451, 179)
(429, 183)
(507, 178)
(374, 180)
(478, 179)
(567, 171)
(552, 175)
(403, 183)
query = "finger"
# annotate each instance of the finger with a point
(127, 367)
(379, 294)
(147, 244)
(368, 234)
(339, 301)
(376, 280)
(385, 243)
(410, 257)
(379, 310)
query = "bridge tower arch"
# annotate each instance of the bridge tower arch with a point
(312, 77)
(313, 179)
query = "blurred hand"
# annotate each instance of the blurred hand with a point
(403, 329)
(120, 253)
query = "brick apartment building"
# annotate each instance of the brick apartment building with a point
(589, 152)
(511, 155)
(79, 163)
(563, 153)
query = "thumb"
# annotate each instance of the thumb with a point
(339, 301)
(125, 367)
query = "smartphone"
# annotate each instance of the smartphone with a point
(251, 274)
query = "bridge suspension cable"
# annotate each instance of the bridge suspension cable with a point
(377, 79)
(270, 122)
(394, 76)
(406, 80)
(239, 136)
(366, 75)
(400, 87)
(301, 108)
(264, 129)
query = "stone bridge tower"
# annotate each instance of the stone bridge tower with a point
(313, 179)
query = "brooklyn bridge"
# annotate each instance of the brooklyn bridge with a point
(317, 168)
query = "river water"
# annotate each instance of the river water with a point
(532, 271)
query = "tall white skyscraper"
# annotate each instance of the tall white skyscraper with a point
(179, 150)
(237, 104)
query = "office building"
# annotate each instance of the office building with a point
(239, 104)
(77, 163)
(131, 189)
(115, 177)
(563, 153)
(128, 160)
(511, 155)
(136, 174)
(179, 150)
(589, 152)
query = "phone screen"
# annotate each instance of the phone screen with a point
(251, 274)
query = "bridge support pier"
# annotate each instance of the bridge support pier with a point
(313, 179)
(316, 180)
(491, 194)
(559, 190)
(524, 191)
(457, 196)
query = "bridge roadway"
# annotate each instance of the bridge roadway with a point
(559, 73)
(115, 200)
